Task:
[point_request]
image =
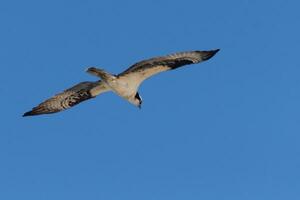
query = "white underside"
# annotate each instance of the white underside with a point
(122, 88)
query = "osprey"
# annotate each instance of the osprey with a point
(125, 84)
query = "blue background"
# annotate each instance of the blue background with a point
(224, 129)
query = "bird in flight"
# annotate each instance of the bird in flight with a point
(125, 84)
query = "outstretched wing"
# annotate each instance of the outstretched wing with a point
(147, 68)
(68, 98)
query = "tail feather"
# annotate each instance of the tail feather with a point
(105, 76)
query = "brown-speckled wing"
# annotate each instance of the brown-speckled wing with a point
(147, 68)
(69, 98)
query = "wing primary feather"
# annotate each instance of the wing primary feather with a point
(206, 55)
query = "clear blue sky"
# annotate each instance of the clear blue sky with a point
(224, 129)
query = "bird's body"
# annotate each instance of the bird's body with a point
(122, 86)
(125, 84)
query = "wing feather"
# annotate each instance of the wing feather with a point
(150, 67)
(69, 98)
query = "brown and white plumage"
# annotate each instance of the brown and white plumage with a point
(145, 69)
(124, 84)
(68, 98)
(150, 67)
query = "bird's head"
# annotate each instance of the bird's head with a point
(137, 100)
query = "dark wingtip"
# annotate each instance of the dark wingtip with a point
(90, 69)
(30, 113)
(208, 54)
(34, 111)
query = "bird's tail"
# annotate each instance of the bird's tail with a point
(105, 76)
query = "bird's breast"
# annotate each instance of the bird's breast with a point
(123, 88)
